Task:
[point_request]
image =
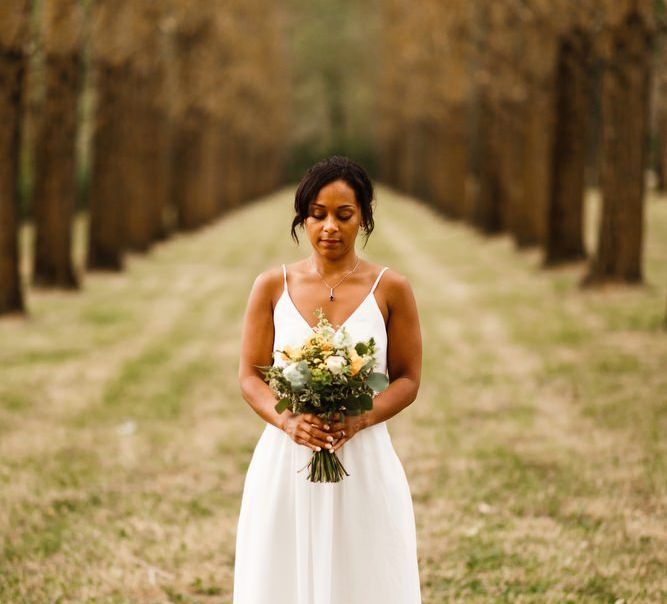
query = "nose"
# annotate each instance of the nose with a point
(330, 224)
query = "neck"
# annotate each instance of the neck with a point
(334, 266)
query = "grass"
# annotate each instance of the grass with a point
(534, 450)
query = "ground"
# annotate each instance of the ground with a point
(533, 451)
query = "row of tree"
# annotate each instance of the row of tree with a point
(501, 112)
(153, 116)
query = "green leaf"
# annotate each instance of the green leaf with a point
(353, 403)
(282, 404)
(377, 381)
(361, 348)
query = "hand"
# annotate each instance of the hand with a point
(309, 430)
(343, 430)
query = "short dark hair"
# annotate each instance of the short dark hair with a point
(329, 170)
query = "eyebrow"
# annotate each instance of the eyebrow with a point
(343, 207)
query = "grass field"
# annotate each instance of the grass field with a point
(535, 451)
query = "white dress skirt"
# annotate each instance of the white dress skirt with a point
(351, 542)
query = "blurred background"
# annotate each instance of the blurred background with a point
(149, 151)
(150, 117)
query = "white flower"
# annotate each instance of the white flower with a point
(326, 331)
(335, 364)
(294, 375)
(341, 339)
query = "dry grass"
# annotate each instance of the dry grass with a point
(533, 452)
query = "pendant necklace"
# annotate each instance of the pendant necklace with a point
(331, 287)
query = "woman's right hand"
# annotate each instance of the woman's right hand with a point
(309, 430)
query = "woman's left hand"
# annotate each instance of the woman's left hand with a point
(344, 429)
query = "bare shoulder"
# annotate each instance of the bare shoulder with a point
(395, 294)
(268, 284)
(394, 284)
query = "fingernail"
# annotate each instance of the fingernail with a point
(318, 448)
(342, 432)
(330, 439)
(331, 450)
(328, 446)
(326, 426)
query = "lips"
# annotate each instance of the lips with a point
(330, 241)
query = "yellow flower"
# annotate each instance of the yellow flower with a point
(356, 365)
(356, 362)
(290, 353)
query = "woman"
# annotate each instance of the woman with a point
(354, 541)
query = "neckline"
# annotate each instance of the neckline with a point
(349, 318)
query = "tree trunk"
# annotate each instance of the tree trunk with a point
(55, 153)
(108, 195)
(625, 108)
(485, 210)
(13, 34)
(189, 157)
(455, 160)
(565, 240)
(508, 140)
(536, 172)
(146, 139)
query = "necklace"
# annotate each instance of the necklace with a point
(331, 287)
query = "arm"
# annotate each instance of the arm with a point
(404, 359)
(404, 353)
(256, 348)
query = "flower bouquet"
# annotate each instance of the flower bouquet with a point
(328, 374)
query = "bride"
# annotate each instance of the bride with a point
(354, 541)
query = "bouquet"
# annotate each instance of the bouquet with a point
(328, 374)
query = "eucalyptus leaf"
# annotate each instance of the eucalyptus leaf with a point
(377, 381)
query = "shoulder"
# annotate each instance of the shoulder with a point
(394, 283)
(269, 283)
(395, 293)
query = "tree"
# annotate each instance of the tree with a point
(626, 46)
(107, 197)
(55, 153)
(564, 238)
(13, 37)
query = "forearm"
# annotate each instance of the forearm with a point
(258, 395)
(397, 396)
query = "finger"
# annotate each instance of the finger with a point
(338, 444)
(336, 427)
(307, 436)
(306, 443)
(321, 434)
(340, 431)
(314, 420)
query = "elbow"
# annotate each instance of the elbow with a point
(245, 383)
(414, 390)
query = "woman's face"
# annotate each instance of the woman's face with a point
(333, 220)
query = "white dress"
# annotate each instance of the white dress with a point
(351, 542)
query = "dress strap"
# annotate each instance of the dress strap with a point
(378, 279)
(284, 278)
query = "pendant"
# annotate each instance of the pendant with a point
(331, 297)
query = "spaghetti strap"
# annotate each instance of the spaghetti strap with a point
(284, 278)
(378, 279)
